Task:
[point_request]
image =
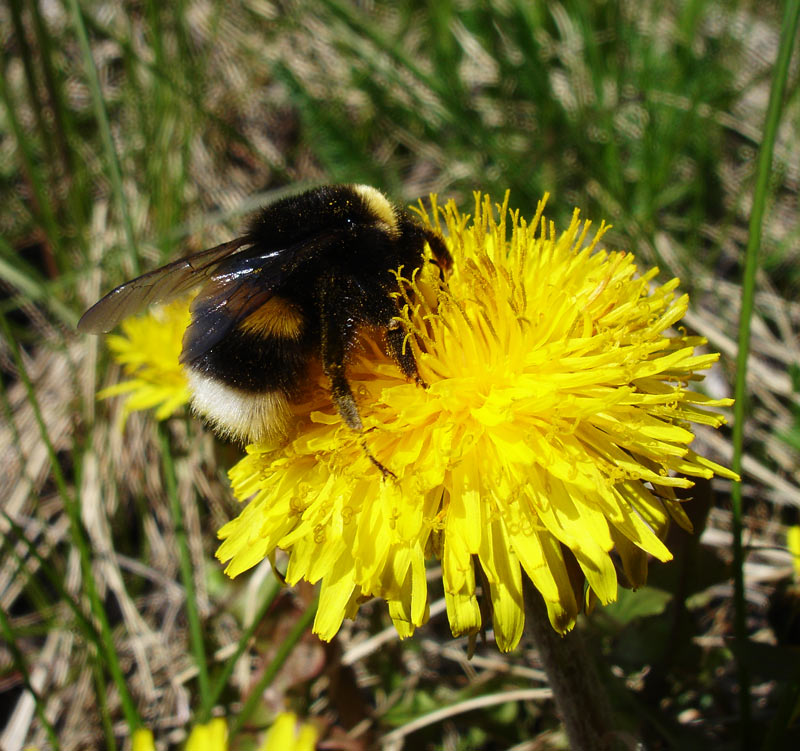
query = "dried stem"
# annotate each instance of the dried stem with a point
(580, 698)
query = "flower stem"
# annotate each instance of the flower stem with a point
(763, 175)
(580, 698)
(187, 569)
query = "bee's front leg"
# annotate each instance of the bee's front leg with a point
(343, 307)
(340, 306)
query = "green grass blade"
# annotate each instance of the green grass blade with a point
(112, 160)
(222, 679)
(72, 507)
(785, 714)
(108, 726)
(84, 625)
(64, 128)
(22, 666)
(42, 207)
(29, 282)
(207, 116)
(789, 28)
(87, 630)
(27, 55)
(281, 655)
(187, 571)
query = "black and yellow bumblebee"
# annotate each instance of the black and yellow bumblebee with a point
(310, 271)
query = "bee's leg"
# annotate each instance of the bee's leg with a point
(402, 355)
(400, 350)
(341, 302)
(338, 302)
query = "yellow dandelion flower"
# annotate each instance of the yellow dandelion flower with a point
(143, 740)
(211, 736)
(554, 429)
(287, 734)
(793, 546)
(149, 348)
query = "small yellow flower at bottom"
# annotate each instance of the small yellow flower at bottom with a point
(212, 736)
(285, 734)
(143, 740)
(553, 432)
(793, 545)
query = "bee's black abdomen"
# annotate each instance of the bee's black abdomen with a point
(243, 384)
(255, 364)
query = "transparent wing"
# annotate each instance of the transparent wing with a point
(158, 286)
(242, 284)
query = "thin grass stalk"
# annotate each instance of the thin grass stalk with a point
(41, 602)
(284, 650)
(26, 152)
(192, 72)
(72, 507)
(32, 290)
(210, 118)
(87, 629)
(789, 29)
(62, 125)
(785, 714)
(19, 660)
(452, 109)
(357, 22)
(101, 116)
(187, 569)
(105, 715)
(16, 437)
(222, 679)
(85, 626)
(27, 56)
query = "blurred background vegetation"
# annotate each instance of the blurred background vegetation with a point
(134, 132)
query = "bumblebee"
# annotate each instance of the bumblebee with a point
(308, 274)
